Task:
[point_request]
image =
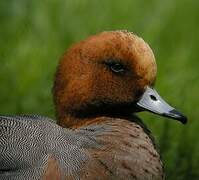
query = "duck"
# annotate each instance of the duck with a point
(100, 85)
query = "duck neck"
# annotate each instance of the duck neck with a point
(69, 121)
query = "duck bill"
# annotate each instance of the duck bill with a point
(151, 101)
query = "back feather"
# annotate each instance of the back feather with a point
(27, 143)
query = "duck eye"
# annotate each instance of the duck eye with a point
(116, 67)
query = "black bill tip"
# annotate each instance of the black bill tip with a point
(176, 115)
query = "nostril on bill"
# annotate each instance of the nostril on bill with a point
(153, 97)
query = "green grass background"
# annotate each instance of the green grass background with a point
(35, 33)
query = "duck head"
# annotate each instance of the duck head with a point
(109, 74)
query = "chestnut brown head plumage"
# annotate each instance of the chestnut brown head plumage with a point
(106, 74)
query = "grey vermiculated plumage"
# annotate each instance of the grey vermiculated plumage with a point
(115, 149)
(26, 142)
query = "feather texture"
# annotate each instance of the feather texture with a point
(34, 147)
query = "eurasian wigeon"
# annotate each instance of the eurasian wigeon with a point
(100, 84)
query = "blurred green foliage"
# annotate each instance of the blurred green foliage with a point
(34, 34)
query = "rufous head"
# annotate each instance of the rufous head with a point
(105, 73)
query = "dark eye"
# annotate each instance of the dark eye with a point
(116, 67)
